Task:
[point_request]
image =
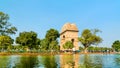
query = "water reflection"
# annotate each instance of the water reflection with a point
(91, 61)
(61, 61)
(117, 60)
(49, 62)
(27, 62)
(69, 61)
(4, 61)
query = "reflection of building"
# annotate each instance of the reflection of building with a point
(69, 33)
(69, 61)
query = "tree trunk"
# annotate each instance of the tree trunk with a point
(85, 50)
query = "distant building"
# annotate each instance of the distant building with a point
(69, 32)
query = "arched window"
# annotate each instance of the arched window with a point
(63, 36)
(72, 40)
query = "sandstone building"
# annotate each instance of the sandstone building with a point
(69, 32)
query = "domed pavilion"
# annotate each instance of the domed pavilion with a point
(69, 32)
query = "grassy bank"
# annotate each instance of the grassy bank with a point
(28, 53)
(51, 53)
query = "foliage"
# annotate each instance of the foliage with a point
(89, 37)
(116, 45)
(28, 39)
(68, 45)
(5, 41)
(54, 45)
(91, 48)
(99, 49)
(37, 43)
(81, 48)
(44, 44)
(5, 27)
(52, 35)
(51, 40)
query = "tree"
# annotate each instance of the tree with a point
(91, 48)
(116, 45)
(89, 37)
(28, 39)
(53, 45)
(5, 41)
(5, 27)
(51, 38)
(38, 43)
(68, 45)
(81, 48)
(52, 35)
(44, 44)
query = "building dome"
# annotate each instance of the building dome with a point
(69, 26)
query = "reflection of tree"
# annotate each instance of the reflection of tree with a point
(91, 62)
(69, 61)
(87, 62)
(27, 62)
(117, 61)
(49, 61)
(4, 61)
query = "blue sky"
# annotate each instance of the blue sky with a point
(41, 15)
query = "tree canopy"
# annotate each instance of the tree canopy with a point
(50, 42)
(44, 44)
(5, 27)
(52, 35)
(68, 45)
(28, 39)
(116, 45)
(5, 41)
(89, 37)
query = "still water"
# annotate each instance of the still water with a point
(61, 61)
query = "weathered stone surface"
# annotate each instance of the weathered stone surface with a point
(69, 32)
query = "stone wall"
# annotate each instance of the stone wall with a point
(69, 36)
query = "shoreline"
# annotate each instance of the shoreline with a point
(42, 54)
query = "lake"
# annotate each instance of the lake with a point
(61, 61)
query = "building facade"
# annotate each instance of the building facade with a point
(69, 32)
